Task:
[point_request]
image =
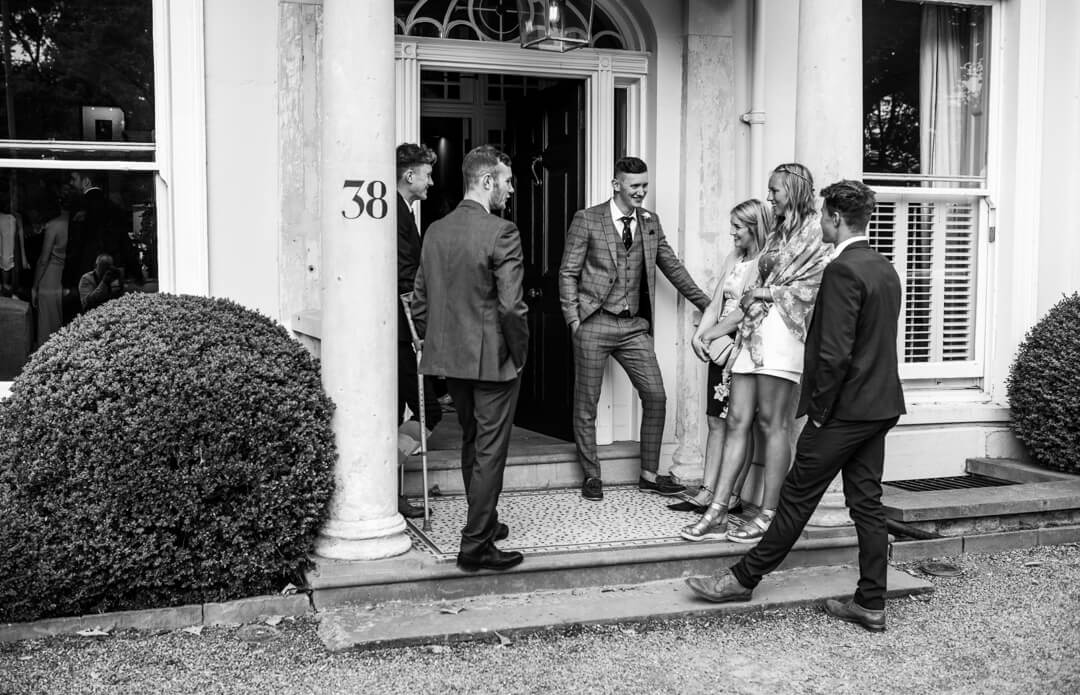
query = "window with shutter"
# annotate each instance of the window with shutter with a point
(933, 243)
(926, 153)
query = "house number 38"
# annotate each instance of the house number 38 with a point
(374, 206)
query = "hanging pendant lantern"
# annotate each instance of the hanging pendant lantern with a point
(555, 25)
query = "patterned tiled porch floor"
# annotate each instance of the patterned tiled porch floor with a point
(560, 521)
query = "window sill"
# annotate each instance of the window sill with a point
(951, 407)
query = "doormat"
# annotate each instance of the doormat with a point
(560, 521)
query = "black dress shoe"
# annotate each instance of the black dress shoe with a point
(874, 621)
(688, 506)
(593, 489)
(490, 559)
(409, 511)
(502, 531)
(663, 485)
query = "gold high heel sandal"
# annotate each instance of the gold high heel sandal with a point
(712, 526)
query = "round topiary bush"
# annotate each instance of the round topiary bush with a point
(1044, 388)
(160, 450)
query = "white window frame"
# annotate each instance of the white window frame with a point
(966, 374)
(178, 153)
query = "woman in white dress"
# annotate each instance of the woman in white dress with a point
(768, 355)
(714, 339)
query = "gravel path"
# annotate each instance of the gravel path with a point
(1010, 624)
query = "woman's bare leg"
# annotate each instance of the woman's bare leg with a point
(774, 395)
(714, 449)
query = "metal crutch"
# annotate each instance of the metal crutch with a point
(406, 302)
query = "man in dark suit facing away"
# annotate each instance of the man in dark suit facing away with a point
(852, 397)
(470, 314)
(607, 291)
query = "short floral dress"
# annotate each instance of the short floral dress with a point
(736, 280)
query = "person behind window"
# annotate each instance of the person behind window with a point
(12, 254)
(101, 284)
(47, 292)
(103, 226)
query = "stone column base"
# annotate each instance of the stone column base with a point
(363, 540)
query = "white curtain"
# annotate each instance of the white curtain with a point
(952, 95)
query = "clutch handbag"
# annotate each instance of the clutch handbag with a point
(720, 351)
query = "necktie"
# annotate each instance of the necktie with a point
(627, 239)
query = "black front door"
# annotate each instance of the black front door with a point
(546, 139)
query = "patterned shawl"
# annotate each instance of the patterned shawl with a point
(794, 281)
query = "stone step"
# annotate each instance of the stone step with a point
(1038, 492)
(1016, 471)
(459, 618)
(418, 575)
(531, 467)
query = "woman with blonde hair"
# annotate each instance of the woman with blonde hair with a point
(714, 338)
(767, 359)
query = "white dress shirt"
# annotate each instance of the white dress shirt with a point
(846, 243)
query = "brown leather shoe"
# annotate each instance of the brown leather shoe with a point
(724, 589)
(874, 621)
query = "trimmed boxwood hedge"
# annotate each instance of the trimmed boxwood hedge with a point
(160, 450)
(1044, 388)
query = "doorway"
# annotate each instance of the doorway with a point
(537, 122)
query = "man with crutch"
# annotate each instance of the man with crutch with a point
(469, 312)
(414, 164)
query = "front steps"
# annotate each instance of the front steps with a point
(500, 617)
(1051, 501)
(418, 576)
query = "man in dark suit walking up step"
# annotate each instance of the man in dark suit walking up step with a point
(468, 309)
(852, 396)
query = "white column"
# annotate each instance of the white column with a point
(709, 188)
(359, 282)
(828, 132)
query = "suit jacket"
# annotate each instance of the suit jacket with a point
(408, 259)
(589, 261)
(467, 299)
(850, 369)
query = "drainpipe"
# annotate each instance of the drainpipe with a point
(755, 118)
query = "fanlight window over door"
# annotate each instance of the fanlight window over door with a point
(485, 20)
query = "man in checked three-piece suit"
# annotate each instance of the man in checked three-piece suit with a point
(607, 289)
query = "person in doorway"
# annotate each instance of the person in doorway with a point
(852, 397)
(607, 289)
(103, 283)
(714, 340)
(471, 316)
(767, 360)
(414, 163)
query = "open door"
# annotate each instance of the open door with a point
(546, 140)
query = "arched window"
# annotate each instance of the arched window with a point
(484, 20)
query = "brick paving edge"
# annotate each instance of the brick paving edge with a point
(245, 610)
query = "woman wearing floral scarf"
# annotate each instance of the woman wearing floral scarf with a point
(767, 361)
